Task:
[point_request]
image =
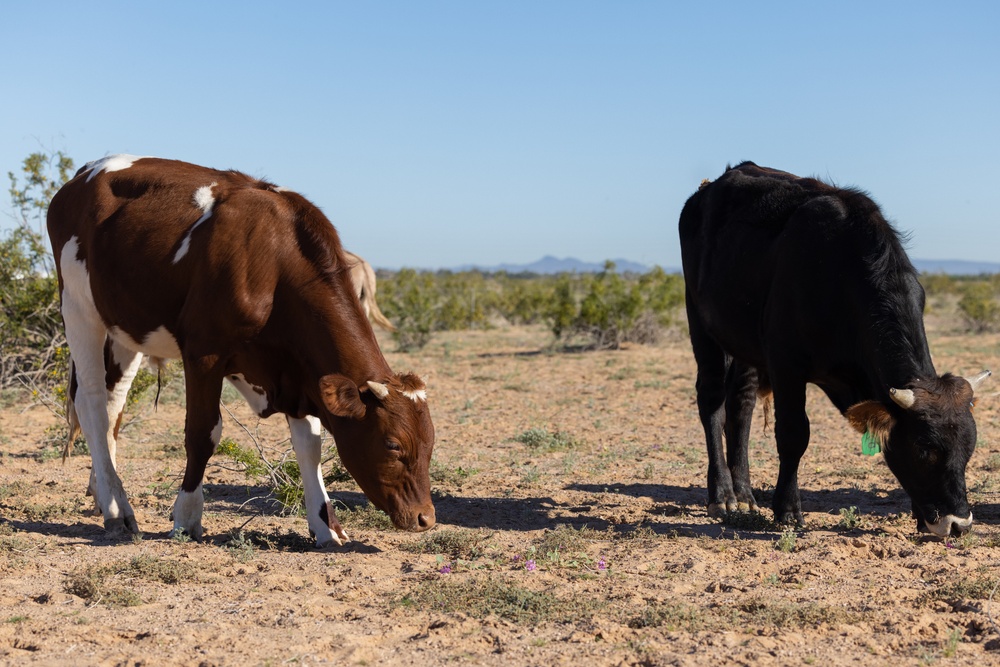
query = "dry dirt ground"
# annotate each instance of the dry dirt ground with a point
(570, 493)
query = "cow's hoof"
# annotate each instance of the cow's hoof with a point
(791, 519)
(123, 526)
(720, 510)
(717, 510)
(334, 541)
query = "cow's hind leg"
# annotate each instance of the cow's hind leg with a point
(202, 433)
(120, 367)
(93, 403)
(307, 443)
(713, 364)
(741, 397)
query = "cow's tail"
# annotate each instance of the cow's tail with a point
(71, 417)
(767, 406)
(375, 314)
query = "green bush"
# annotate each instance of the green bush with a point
(31, 334)
(523, 299)
(936, 284)
(409, 299)
(979, 306)
(615, 308)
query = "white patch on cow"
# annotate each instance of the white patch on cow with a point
(204, 200)
(110, 163)
(415, 396)
(942, 528)
(187, 512)
(216, 435)
(76, 279)
(255, 396)
(158, 343)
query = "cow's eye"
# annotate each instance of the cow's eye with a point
(393, 446)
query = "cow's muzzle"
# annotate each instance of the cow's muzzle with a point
(947, 526)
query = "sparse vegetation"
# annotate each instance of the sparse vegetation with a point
(543, 440)
(849, 518)
(115, 585)
(458, 544)
(493, 595)
(786, 542)
(365, 516)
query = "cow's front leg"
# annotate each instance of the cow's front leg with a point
(307, 443)
(791, 432)
(202, 432)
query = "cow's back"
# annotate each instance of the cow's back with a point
(772, 259)
(161, 236)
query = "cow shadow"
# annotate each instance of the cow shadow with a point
(514, 514)
(668, 518)
(986, 512)
(677, 501)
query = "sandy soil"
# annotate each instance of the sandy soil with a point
(589, 545)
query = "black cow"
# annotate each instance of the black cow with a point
(790, 280)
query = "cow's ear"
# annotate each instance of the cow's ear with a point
(871, 417)
(341, 396)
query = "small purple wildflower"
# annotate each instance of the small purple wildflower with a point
(516, 557)
(602, 565)
(530, 565)
(445, 569)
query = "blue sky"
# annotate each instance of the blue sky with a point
(435, 134)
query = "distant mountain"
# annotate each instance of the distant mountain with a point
(550, 264)
(955, 267)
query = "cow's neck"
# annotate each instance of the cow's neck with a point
(334, 337)
(901, 354)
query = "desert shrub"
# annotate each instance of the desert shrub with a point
(281, 476)
(409, 299)
(979, 306)
(615, 309)
(937, 284)
(523, 299)
(465, 300)
(562, 310)
(610, 308)
(30, 322)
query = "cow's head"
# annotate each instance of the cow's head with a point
(385, 437)
(927, 436)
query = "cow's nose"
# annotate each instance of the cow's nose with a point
(425, 520)
(959, 529)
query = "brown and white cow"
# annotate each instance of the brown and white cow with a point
(243, 281)
(363, 278)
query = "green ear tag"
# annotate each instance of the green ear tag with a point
(869, 444)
